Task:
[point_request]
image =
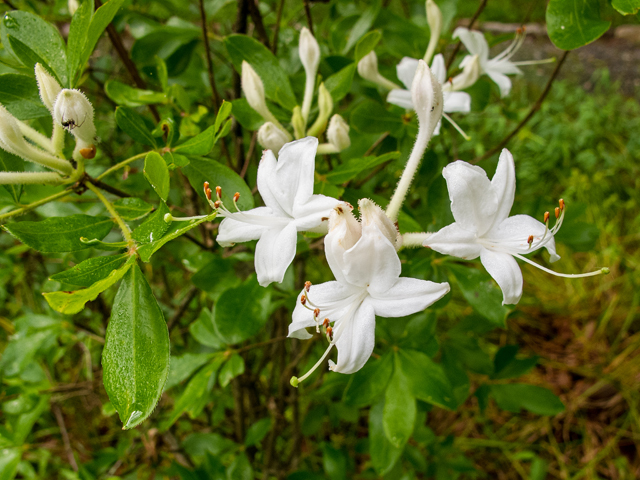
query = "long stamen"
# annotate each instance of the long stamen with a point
(295, 381)
(536, 62)
(604, 270)
(170, 218)
(456, 126)
(512, 48)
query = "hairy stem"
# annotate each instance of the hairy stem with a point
(26, 178)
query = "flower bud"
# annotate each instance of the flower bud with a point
(271, 137)
(309, 52)
(48, 87)
(74, 112)
(434, 19)
(325, 107)
(338, 133)
(471, 71)
(253, 89)
(426, 94)
(368, 67)
(372, 215)
(73, 5)
(298, 123)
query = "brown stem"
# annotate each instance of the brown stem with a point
(107, 188)
(307, 11)
(207, 50)
(126, 60)
(9, 4)
(483, 4)
(65, 436)
(276, 31)
(238, 411)
(256, 16)
(191, 294)
(247, 159)
(536, 106)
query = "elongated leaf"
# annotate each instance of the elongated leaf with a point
(574, 23)
(257, 432)
(40, 37)
(88, 272)
(19, 94)
(275, 80)
(399, 412)
(384, 454)
(153, 227)
(339, 83)
(60, 234)
(135, 359)
(506, 365)
(157, 174)
(366, 44)
(202, 170)
(12, 163)
(132, 97)
(516, 396)
(183, 367)
(99, 22)
(223, 114)
(368, 383)
(426, 379)
(626, 7)
(201, 144)
(363, 24)
(133, 125)
(246, 116)
(73, 302)
(132, 208)
(371, 117)
(351, 168)
(233, 367)
(78, 32)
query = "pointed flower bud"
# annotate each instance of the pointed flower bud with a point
(426, 94)
(298, 123)
(338, 133)
(309, 52)
(73, 6)
(74, 112)
(253, 89)
(48, 87)
(325, 107)
(471, 71)
(372, 214)
(368, 69)
(434, 19)
(271, 137)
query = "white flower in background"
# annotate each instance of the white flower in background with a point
(367, 269)
(453, 101)
(271, 137)
(48, 87)
(368, 69)
(74, 112)
(483, 227)
(286, 187)
(498, 67)
(309, 52)
(338, 133)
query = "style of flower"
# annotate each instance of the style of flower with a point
(362, 256)
(483, 227)
(286, 187)
(453, 101)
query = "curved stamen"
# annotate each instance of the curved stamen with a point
(456, 126)
(604, 270)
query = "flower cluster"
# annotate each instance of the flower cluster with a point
(71, 111)
(272, 134)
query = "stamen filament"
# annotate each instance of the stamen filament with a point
(170, 218)
(456, 126)
(557, 274)
(295, 381)
(536, 62)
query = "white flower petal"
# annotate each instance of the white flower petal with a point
(357, 339)
(407, 296)
(406, 70)
(505, 271)
(474, 42)
(436, 131)
(503, 82)
(233, 230)
(314, 212)
(513, 233)
(456, 241)
(274, 253)
(268, 181)
(503, 66)
(473, 201)
(438, 68)
(504, 185)
(401, 98)
(457, 102)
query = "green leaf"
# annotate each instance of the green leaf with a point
(384, 454)
(249, 302)
(89, 271)
(154, 227)
(257, 432)
(334, 461)
(12, 163)
(516, 396)
(574, 23)
(183, 367)
(132, 208)
(134, 125)
(246, 116)
(222, 115)
(240, 468)
(202, 170)
(70, 303)
(426, 379)
(371, 117)
(9, 461)
(362, 25)
(368, 383)
(135, 359)
(481, 293)
(506, 365)
(78, 32)
(157, 174)
(399, 412)
(40, 39)
(100, 20)
(146, 251)
(200, 145)
(275, 80)
(366, 44)
(60, 234)
(202, 330)
(231, 369)
(132, 97)
(19, 94)
(352, 167)
(626, 7)
(339, 83)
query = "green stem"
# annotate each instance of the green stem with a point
(120, 165)
(35, 204)
(126, 233)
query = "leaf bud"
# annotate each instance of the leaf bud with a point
(47, 86)
(338, 133)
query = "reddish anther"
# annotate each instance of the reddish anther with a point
(303, 299)
(216, 204)
(218, 191)
(316, 313)
(330, 332)
(561, 202)
(557, 212)
(325, 323)
(236, 196)
(530, 239)
(307, 285)
(546, 217)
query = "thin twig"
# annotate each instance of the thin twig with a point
(483, 4)
(108, 188)
(536, 106)
(256, 16)
(9, 4)
(276, 31)
(307, 11)
(261, 344)
(207, 50)
(191, 294)
(247, 158)
(65, 437)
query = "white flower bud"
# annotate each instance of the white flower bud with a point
(309, 52)
(253, 89)
(271, 137)
(471, 71)
(434, 19)
(372, 214)
(338, 133)
(48, 87)
(74, 112)
(426, 94)
(368, 69)
(73, 5)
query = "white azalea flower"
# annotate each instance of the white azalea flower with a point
(453, 101)
(483, 227)
(362, 256)
(498, 67)
(286, 187)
